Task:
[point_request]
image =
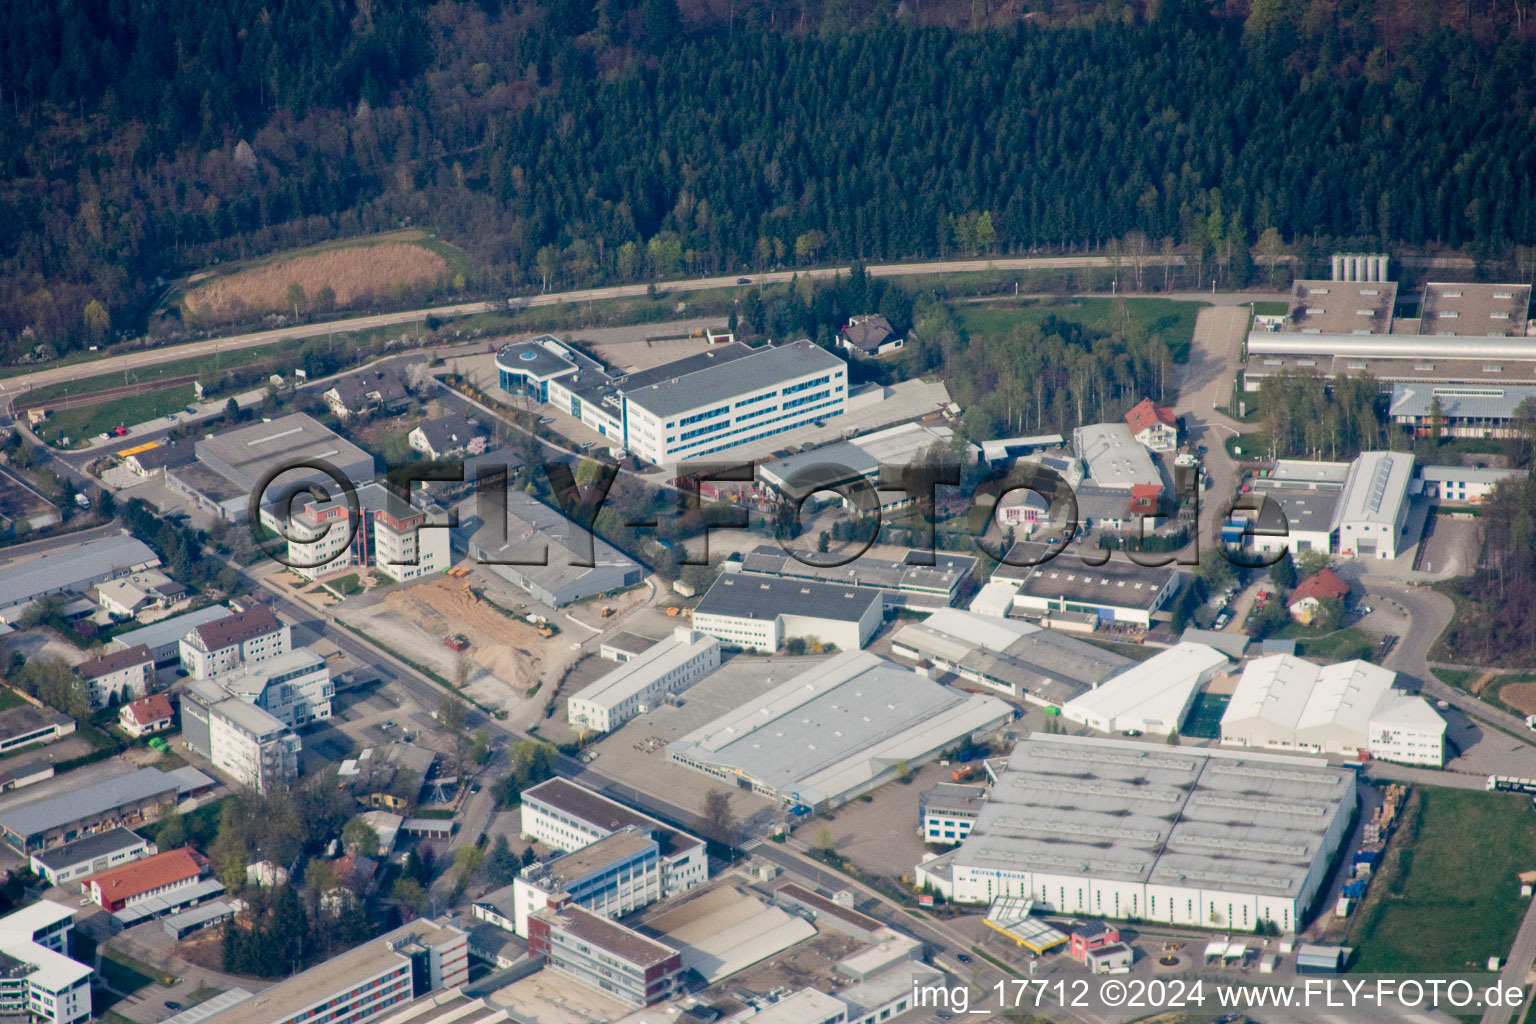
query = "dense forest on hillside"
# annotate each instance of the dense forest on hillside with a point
(568, 142)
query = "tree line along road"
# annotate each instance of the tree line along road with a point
(15, 387)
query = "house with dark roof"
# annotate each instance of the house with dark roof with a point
(366, 392)
(870, 335)
(1154, 425)
(1308, 597)
(448, 436)
(153, 462)
(117, 675)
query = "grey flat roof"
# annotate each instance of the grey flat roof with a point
(720, 382)
(1394, 368)
(1117, 570)
(89, 848)
(333, 977)
(1396, 346)
(50, 812)
(533, 527)
(766, 597)
(819, 468)
(1166, 815)
(1463, 401)
(1471, 474)
(71, 568)
(244, 455)
(947, 572)
(1303, 509)
(28, 718)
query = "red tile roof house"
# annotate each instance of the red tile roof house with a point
(153, 876)
(148, 715)
(1154, 425)
(1310, 593)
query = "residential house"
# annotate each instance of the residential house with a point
(129, 597)
(1308, 597)
(366, 392)
(448, 436)
(147, 715)
(1154, 425)
(870, 335)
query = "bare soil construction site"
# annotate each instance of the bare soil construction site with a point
(507, 653)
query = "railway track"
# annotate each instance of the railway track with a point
(65, 402)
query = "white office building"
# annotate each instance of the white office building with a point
(1285, 703)
(759, 613)
(1115, 829)
(40, 980)
(1408, 730)
(670, 666)
(294, 688)
(1469, 484)
(726, 396)
(567, 816)
(1152, 696)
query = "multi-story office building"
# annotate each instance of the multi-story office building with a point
(614, 876)
(670, 666)
(725, 396)
(38, 978)
(222, 645)
(567, 816)
(245, 742)
(358, 985)
(391, 536)
(604, 955)
(294, 688)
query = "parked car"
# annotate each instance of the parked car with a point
(171, 1004)
(743, 280)
(1222, 620)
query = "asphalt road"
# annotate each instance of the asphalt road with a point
(14, 387)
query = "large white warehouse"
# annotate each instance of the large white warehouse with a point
(836, 730)
(1150, 697)
(1210, 838)
(1284, 703)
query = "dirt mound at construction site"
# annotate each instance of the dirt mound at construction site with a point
(499, 643)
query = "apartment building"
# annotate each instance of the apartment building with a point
(295, 688)
(568, 816)
(389, 535)
(117, 676)
(245, 742)
(217, 647)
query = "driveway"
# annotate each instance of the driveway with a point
(1205, 383)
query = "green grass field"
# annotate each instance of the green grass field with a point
(1175, 321)
(1269, 308)
(9, 698)
(1447, 896)
(1457, 677)
(84, 423)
